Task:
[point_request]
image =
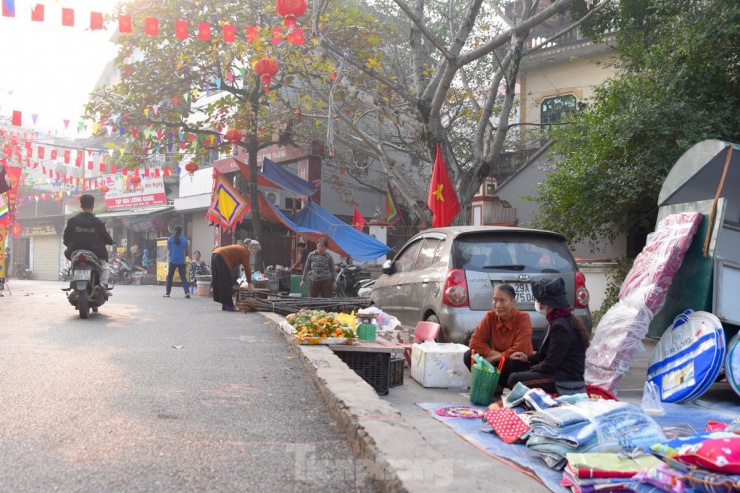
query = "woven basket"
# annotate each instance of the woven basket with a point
(483, 386)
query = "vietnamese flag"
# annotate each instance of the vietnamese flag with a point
(151, 26)
(8, 8)
(96, 21)
(66, 157)
(358, 222)
(252, 34)
(40, 152)
(442, 197)
(37, 13)
(68, 17)
(16, 119)
(124, 23)
(54, 153)
(204, 31)
(229, 33)
(181, 29)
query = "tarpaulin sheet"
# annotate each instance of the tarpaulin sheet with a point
(276, 176)
(313, 222)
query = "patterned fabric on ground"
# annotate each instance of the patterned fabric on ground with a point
(672, 447)
(712, 482)
(663, 477)
(538, 400)
(608, 465)
(716, 454)
(507, 424)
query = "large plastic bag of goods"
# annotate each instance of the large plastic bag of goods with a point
(620, 332)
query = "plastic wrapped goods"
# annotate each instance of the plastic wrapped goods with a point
(654, 268)
(620, 332)
(689, 357)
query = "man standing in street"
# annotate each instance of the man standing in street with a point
(86, 232)
(320, 268)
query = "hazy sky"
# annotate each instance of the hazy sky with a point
(49, 69)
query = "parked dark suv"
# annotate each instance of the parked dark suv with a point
(447, 275)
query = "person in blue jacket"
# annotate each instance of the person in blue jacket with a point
(177, 245)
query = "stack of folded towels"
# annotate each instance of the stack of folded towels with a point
(593, 425)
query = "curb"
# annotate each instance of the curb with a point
(394, 453)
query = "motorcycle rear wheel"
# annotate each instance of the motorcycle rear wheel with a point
(83, 304)
(126, 278)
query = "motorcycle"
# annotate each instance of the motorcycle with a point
(348, 280)
(22, 271)
(365, 288)
(85, 291)
(121, 271)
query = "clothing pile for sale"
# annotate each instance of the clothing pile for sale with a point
(706, 462)
(593, 425)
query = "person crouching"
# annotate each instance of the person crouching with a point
(224, 260)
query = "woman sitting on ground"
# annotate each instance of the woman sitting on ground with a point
(562, 354)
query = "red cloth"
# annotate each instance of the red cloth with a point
(507, 424)
(442, 197)
(37, 13)
(358, 222)
(204, 31)
(96, 20)
(229, 33)
(151, 26)
(124, 23)
(68, 17)
(181, 29)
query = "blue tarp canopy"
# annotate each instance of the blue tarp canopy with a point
(276, 176)
(313, 222)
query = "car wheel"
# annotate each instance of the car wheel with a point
(440, 336)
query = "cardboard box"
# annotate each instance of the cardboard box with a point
(440, 366)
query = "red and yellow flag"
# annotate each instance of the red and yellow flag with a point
(442, 197)
(358, 222)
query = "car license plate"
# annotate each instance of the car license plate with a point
(81, 275)
(523, 292)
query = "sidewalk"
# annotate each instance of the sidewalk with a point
(405, 449)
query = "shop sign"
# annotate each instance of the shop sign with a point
(43, 230)
(125, 193)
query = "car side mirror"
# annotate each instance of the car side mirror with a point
(387, 267)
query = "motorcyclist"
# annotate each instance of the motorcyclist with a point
(86, 232)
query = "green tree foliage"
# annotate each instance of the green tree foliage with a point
(677, 83)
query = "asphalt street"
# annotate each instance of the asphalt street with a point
(158, 394)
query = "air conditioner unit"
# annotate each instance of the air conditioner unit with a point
(274, 198)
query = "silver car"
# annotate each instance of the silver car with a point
(447, 275)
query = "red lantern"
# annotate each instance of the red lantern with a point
(104, 189)
(266, 68)
(134, 179)
(290, 9)
(191, 168)
(233, 136)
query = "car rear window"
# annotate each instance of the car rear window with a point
(510, 251)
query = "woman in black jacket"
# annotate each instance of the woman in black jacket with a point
(561, 358)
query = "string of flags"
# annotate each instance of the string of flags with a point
(181, 28)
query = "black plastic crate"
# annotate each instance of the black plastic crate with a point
(373, 367)
(396, 377)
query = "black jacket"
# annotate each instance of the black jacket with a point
(561, 353)
(86, 232)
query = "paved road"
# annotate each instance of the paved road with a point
(156, 394)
